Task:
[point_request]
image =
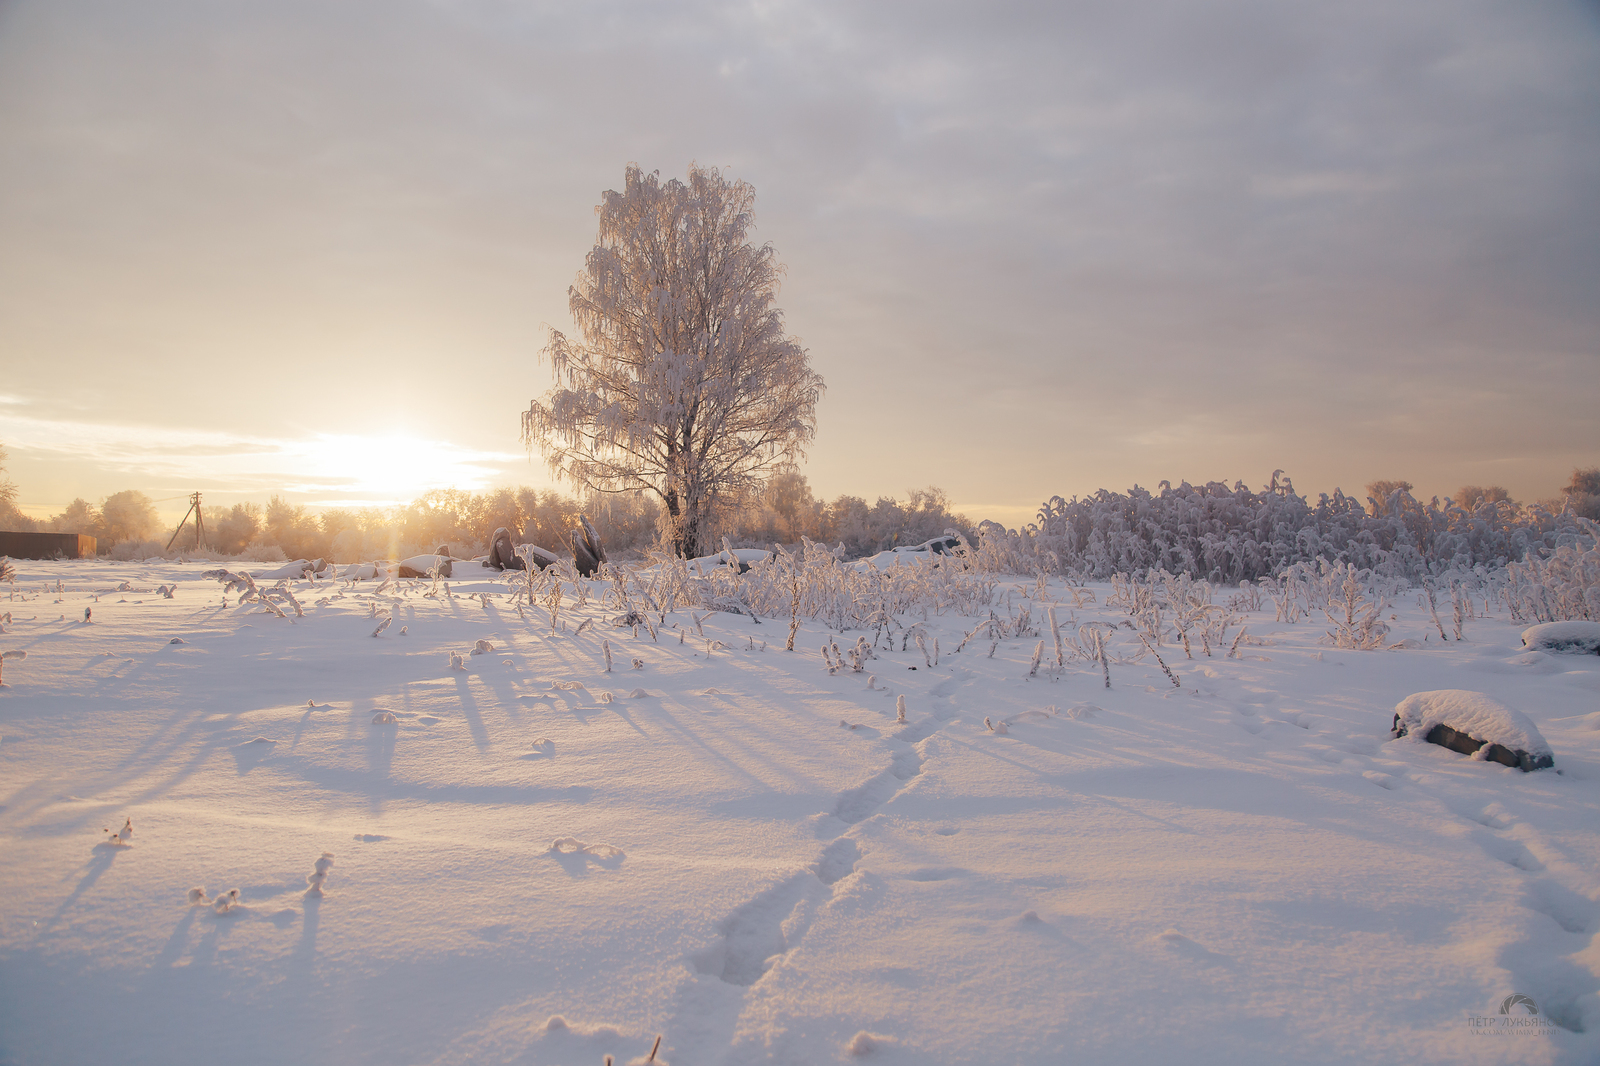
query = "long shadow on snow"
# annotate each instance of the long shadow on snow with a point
(104, 855)
(362, 783)
(469, 712)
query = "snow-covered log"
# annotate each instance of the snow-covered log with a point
(1577, 637)
(928, 552)
(540, 557)
(741, 559)
(1473, 723)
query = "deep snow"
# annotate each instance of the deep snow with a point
(536, 861)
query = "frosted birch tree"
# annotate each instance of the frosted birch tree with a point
(684, 384)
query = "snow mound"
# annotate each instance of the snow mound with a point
(865, 1043)
(574, 846)
(299, 568)
(1576, 637)
(1477, 716)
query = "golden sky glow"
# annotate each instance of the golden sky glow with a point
(1033, 249)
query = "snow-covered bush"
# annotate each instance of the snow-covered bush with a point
(1231, 535)
(135, 549)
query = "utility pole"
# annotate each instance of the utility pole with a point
(199, 523)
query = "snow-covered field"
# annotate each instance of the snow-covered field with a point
(535, 863)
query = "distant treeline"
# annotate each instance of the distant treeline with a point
(1212, 531)
(128, 526)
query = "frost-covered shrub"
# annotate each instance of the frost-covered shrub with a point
(1232, 535)
(135, 549)
(261, 552)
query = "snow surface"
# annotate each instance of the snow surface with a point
(1480, 716)
(1573, 636)
(751, 857)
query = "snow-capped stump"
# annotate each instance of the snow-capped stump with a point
(1475, 724)
(384, 718)
(1575, 637)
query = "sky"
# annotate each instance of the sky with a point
(1034, 249)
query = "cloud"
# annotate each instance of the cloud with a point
(1316, 237)
(326, 469)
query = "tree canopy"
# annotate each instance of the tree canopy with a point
(685, 384)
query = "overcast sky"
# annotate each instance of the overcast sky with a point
(1034, 249)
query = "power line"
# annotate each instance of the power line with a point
(199, 522)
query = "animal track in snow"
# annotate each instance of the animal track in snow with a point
(761, 930)
(758, 933)
(1574, 913)
(857, 804)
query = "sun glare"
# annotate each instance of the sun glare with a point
(395, 468)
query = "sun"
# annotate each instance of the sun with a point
(393, 468)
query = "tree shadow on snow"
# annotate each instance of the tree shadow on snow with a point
(104, 855)
(469, 711)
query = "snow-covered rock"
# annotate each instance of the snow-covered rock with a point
(297, 569)
(1473, 723)
(1575, 636)
(419, 565)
